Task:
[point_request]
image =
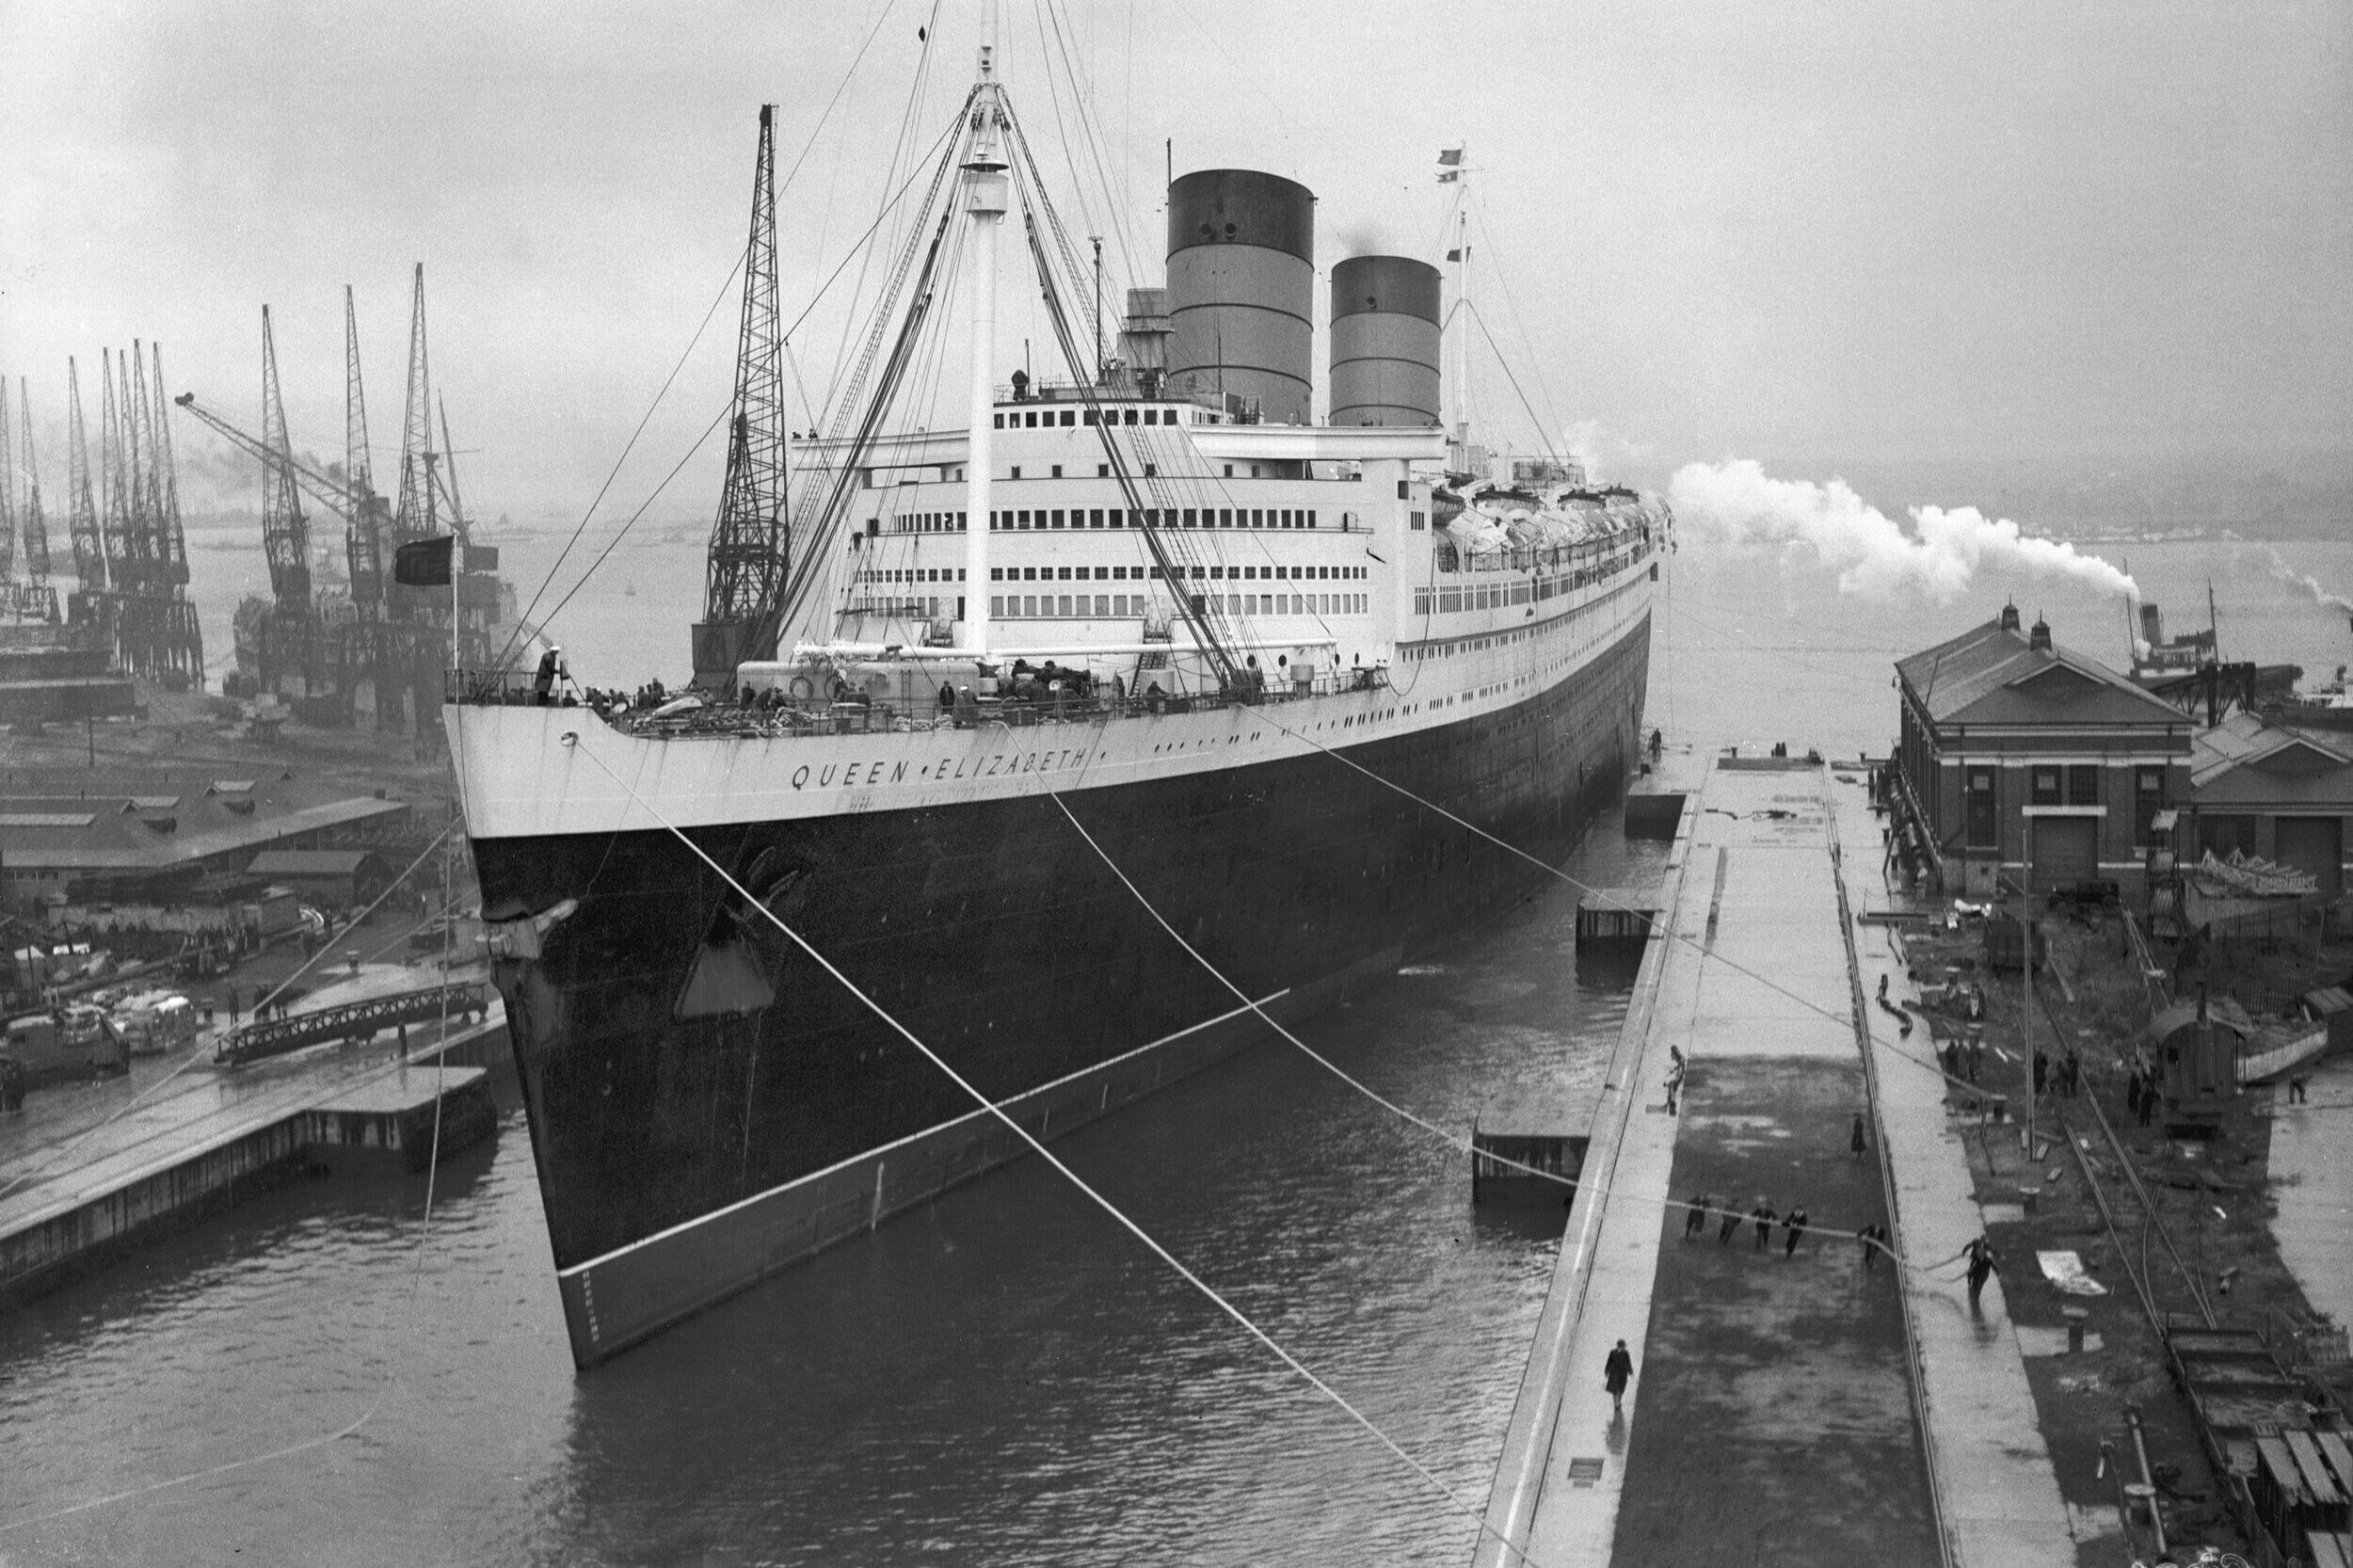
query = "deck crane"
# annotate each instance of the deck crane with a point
(744, 575)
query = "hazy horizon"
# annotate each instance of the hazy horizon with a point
(1848, 241)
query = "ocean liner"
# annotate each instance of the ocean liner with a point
(1266, 663)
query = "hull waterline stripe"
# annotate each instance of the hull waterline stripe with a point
(840, 1165)
(1460, 1503)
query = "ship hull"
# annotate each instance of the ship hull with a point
(707, 1105)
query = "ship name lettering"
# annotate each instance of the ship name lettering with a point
(800, 775)
(824, 776)
(898, 772)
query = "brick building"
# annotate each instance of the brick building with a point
(2018, 757)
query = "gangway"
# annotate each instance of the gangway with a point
(351, 1022)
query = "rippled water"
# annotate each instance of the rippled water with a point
(1004, 1376)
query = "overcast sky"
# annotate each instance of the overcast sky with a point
(1809, 235)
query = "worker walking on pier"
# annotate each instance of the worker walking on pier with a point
(1764, 1216)
(1856, 1140)
(1981, 1267)
(1796, 1228)
(1616, 1373)
(1695, 1220)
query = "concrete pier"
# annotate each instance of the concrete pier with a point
(1789, 1404)
(78, 1189)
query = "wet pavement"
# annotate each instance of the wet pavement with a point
(2312, 1181)
(1788, 1406)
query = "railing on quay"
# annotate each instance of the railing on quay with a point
(349, 1021)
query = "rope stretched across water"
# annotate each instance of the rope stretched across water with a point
(1454, 1498)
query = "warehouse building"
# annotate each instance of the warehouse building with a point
(2019, 760)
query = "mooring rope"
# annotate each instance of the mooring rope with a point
(1210, 1293)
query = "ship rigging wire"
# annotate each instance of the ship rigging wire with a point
(1457, 1141)
(514, 636)
(1843, 1020)
(1210, 1293)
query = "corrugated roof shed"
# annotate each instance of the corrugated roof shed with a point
(139, 821)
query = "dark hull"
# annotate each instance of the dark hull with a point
(999, 937)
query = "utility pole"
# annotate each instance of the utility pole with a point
(1096, 241)
(2025, 969)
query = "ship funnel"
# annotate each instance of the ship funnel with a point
(1385, 342)
(1242, 257)
(2152, 626)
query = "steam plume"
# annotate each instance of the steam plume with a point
(1602, 451)
(2311, 585)
(1735, 504)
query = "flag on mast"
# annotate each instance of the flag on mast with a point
(1449, 157)
(1450, 176)
(423, 563)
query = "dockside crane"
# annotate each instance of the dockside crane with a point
(36, 525)
(113, 493)
(176, 571)
(8, 495)
(370, 516)
(89, 551)
(180, 637)
(745, 571)
(285, 532)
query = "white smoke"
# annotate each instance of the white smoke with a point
(1603, 453)
(1365, 236)
(1735, 504)
(2311, 585)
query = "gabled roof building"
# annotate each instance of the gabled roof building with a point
(158, 837)
(2022, 760)
(2278, 793)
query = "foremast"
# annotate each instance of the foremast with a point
(985, 193)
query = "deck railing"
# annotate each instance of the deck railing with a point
(854, 715)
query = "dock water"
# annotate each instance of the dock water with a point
(78, 1189)
(1789, 1404)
